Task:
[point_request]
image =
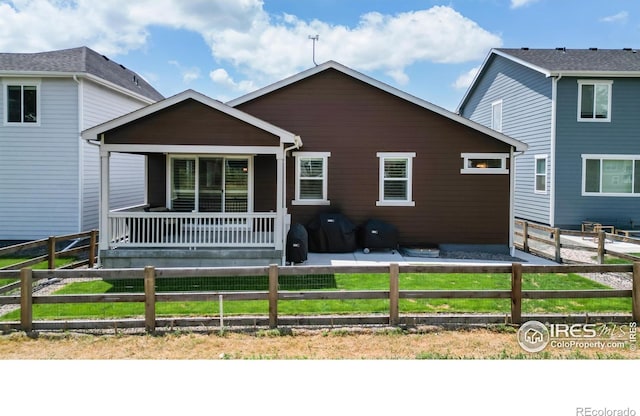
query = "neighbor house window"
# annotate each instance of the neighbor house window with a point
(311, 178)
(484, 163)
(496, 115)
(395, 183)
(21, 102)
(594, 100)
(541, 174)
(611, 175)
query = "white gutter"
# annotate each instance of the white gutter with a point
(552, 153)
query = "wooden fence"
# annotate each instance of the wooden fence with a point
(274, 295)
(51, 253)
(535, 238)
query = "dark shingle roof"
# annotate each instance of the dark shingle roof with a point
(78, 60)
(579, 60)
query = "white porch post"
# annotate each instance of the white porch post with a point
(104, 200)
(280, 208)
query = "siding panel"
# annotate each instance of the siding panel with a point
(526, 106)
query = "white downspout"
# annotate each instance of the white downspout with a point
(512, 187)
(80, 116)
(552, 152)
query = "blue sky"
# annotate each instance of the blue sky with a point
(225, 48)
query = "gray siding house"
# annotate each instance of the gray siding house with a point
(49, 176)
(578, 110)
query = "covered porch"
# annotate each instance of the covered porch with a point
(215, 186)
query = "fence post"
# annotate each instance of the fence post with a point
(525, 236)
(556, 239)
(394, 294)
(273, 296)
(635, 293)
(150, 299)
(51, 252)
(516, 293)
(601, 238)
(26, 299)
(92, 248)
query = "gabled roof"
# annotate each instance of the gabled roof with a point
(519, 146)
(592, 62)
(285, 136)
(77, 61)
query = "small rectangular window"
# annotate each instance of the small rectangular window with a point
(21, 103)
(395, 184)
(311, 178)
(496, 116)
(594, 100)
(484, 163)
(541, 174)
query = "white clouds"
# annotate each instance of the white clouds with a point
(465, 80)
(521, 3)
(619, 17)
(188, 74)
(221, 77)
(240, 33)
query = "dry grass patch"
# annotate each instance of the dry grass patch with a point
(344, 344)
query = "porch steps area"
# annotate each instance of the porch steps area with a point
(201, 257)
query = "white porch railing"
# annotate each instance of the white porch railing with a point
(190, 230)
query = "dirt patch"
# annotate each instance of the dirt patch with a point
(342, 344)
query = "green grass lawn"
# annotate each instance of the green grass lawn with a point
(4, 262)
(617, 260)
(344, 282)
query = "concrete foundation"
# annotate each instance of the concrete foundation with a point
(137, 258)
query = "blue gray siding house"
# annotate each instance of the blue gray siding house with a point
(49, 175)
(578, 110)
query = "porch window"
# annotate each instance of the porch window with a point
(594, 100)
(395, 179)
(210, 184)
(611, 175)
(311, 178)
(21, 103)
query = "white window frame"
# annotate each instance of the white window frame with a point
(536, 174)
(595, 83)
(502, 170)
(325, 178)
(602, 157)
(408, 156)
(22, 83)
(197, 157)
(496, 110)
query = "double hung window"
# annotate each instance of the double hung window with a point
(395, 179)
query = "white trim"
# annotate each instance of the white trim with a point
(409, 202)
(191, 149)
(601, 157)
(502, 157)
(494, 105)
(520, 146)
(285, 136)
(22, 82)
(325, 178)
(595, 83)
(535, 174)
(552, 149)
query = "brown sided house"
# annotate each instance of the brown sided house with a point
(229, 179)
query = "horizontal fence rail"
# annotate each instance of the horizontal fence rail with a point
(274, 294)
(186, 229)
